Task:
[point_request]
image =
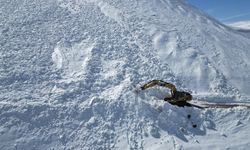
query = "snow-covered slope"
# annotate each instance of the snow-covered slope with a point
(68, 68)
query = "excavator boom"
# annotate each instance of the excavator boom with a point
(176, 96)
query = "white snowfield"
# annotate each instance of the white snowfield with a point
(241, 25)
(68, 69)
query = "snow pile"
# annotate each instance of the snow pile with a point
(68, 69)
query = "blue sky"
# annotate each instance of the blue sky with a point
(226, 11)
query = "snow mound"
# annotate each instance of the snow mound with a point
(68, 69)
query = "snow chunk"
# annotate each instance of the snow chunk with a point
(110, 11)
(73, 60)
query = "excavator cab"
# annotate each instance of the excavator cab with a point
(182, 96)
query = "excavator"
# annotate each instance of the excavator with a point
(178, 98)
(182, 98)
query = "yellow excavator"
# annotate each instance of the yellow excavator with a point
(181, 98)
(178, 98)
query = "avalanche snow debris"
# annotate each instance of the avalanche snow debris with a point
(67, 68)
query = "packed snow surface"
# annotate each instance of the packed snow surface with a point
(69, 68)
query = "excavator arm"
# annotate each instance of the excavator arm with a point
(160, 83)
(176, 96)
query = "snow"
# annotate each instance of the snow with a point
(73, 60)
(241, 24)
(69, 69)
